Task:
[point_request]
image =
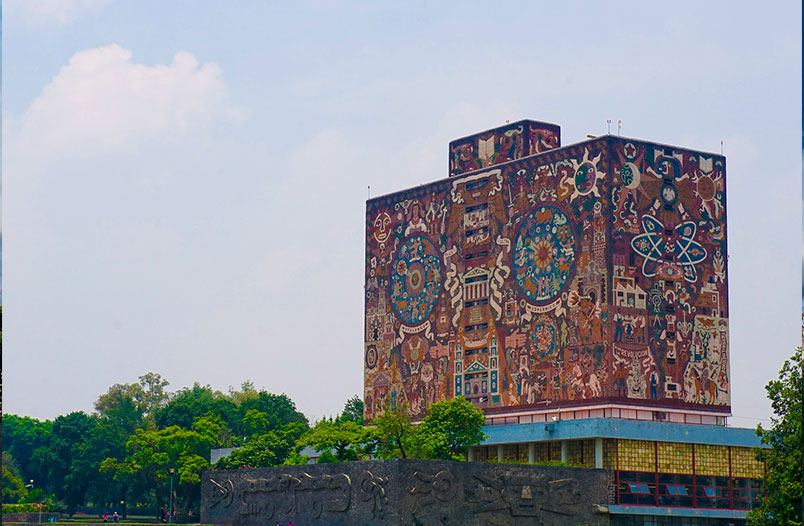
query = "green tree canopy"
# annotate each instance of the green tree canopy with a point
(13, 486)
(339, 442)
(449, 429)
(187, 404)
(268, 449)
(22, 435)
(783, 499)
(394, 433)
(63, 458)
(151, 454)
(132, 405)
(352, 411)
(266, 412)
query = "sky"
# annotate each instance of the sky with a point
(184, 182)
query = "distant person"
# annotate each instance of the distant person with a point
(116, 517)
(105, 517)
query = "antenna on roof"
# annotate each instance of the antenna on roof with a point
(721, 146)
(608, 126)
(369, 191)
(619, 126)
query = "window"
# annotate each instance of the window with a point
(677, 490)
(476, 327)
(477, 231)
(639, 488)
(481, 206)
(476, 184)
(476, 255)
(476, 302)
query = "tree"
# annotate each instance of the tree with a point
(352, 411)
(394, 433)
(13, 487)
(151, 454)
(64, 456)
(266, 411)
(339, 442)
(121, 406)
(782, 503)
(450, 428)
(22, 435)
(268, 449)
(187, 404)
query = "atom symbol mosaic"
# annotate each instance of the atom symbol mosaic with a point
(544, 254)
(415, 280)
(659, 247)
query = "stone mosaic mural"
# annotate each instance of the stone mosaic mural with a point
(582, 275)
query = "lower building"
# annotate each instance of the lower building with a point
(665, 473)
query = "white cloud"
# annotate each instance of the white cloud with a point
(58, 11)
(101, 102)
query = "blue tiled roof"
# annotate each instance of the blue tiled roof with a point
(620, 428)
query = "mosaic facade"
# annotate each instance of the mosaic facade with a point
(537, 277)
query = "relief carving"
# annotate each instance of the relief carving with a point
(374, 492)
(523, 496)
(285, 494)
(429, 488)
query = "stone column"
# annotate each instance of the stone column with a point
(599, 453)
(564, 451)
(470, 454)
(500, 454)
(531, 452)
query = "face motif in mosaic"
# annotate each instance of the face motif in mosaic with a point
(544, 254)
(415, 280)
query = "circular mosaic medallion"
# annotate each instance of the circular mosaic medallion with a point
(415, 280)
(706, 188)
(371, 357)
(544, 254)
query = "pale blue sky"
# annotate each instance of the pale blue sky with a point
(184, 182)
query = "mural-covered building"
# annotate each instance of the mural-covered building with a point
(590, 278)
(579, 296)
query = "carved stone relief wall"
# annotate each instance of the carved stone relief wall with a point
(406, 492)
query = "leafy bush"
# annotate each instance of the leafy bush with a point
(30, 507)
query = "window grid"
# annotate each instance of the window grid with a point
(581, 453)
(609, 454)
(637, 455)
(675, 457)
(510, 452)
(744, 463)
(711, 460)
